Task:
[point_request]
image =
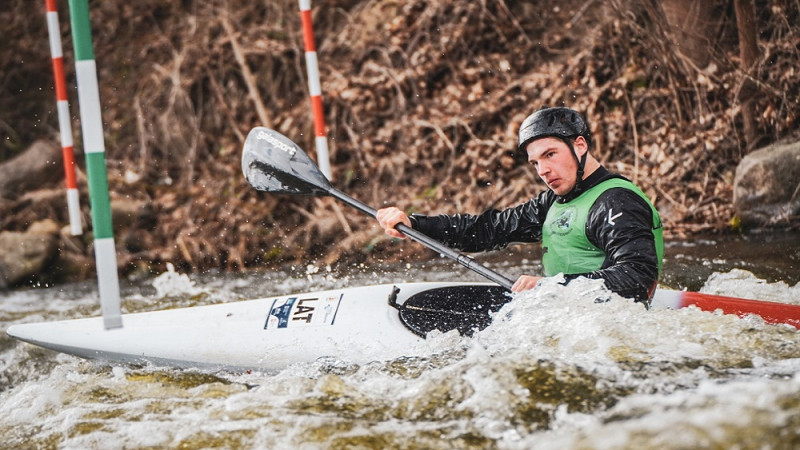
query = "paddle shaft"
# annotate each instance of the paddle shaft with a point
(771, 312)
(429, 242)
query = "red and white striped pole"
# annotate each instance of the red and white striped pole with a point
(64, 122)
(315, 89)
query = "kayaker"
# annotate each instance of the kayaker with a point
(592, 223)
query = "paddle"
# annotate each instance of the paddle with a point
(272, 162)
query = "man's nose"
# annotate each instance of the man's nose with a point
(542, 169)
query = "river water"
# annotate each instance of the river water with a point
(558, 372)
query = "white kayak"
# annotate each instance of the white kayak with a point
(358, 325)
(352, 324)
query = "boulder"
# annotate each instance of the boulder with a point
(125, 212)
(766, 188)
(23, 254)
(134, 221)
(38, 164)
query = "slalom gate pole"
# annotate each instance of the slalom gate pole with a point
(94, 148)
(64, 121)
(315, 89)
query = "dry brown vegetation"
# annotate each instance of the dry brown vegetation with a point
(422, 99)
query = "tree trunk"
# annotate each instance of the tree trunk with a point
(748, 52)
(693, 25)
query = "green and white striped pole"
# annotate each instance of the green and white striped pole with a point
(105, 253)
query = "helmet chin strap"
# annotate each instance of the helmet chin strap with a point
(578, 188)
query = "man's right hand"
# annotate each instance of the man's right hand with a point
(524, 283)
(389, 217)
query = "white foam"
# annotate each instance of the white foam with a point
(174, 284)
(675, 379)
(742, 283)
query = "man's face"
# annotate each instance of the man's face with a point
(555, 162)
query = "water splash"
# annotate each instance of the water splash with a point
(174, 284)
(556, 370)
(742, 283)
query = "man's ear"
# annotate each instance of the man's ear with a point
(580, 145)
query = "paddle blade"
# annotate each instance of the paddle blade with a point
(272, 162)
(463, 308)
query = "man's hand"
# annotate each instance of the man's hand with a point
(524, 283)
(389, 217)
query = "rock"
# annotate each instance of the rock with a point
(133, 223)
(72, 266)
(40, 163)
(46, 226)
(70, 242)
(25, 254)
(766, 188)
(126, 212)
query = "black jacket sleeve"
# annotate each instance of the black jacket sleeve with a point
(620, 223)
(489, 230)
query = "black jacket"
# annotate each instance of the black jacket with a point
(631, 265)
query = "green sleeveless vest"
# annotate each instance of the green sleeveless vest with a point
(567, 249)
